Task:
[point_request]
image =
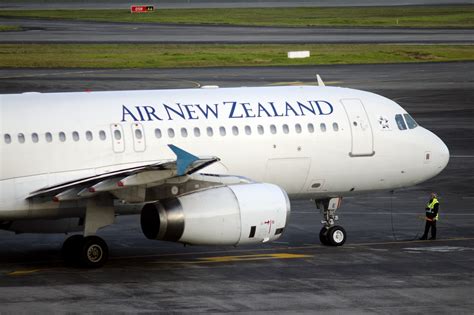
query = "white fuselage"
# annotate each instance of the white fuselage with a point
(314, 142)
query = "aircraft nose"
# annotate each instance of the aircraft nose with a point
(440, 154)
(443, 155)
(436, 154)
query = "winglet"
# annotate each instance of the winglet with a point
(183, 159)
(320, 81)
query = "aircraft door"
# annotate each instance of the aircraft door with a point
(362, 137)
(138, 134)
(118, 139)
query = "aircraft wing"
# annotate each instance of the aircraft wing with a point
(141, 183)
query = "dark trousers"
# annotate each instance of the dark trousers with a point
(432, 225)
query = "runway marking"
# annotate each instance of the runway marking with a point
(23, 272)
(462, 156)
(250, 257)
(106, 71)
(416, 241)
(300, 83)
(394, 213)
(222, 259)
(254, 257)
(58, 73)
(306, 246)
(438, 249)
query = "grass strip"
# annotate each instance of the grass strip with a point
(403, 16)
(169, 56)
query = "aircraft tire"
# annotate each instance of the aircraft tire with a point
(70, 249)
(336, 235)
(93, 253)
(323, 236)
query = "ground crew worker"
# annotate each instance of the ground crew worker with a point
(431, 217)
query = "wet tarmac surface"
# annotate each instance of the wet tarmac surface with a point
(67, 31)
(381, 269)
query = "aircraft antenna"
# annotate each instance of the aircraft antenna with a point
(320, 81)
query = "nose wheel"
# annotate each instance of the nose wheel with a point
(333, 236)
(86, 252)
(323, 236)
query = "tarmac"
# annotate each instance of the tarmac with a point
(70, 31)
(67, 31)
(382, 268)
(191, 4)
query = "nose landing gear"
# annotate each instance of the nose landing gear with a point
(331, 234)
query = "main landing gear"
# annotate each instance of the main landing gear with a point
(331, 234)
(90, 251)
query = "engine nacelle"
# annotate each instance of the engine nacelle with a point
(229, 215)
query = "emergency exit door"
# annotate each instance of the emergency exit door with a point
(138, 135)
(362, 137)
(118, 141)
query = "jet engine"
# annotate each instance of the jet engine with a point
(227, 215)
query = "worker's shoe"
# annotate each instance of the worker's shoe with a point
(423, 238)
(432, 238)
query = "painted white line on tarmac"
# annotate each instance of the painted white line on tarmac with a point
(389, 213)
(59, 73)
(463, 156)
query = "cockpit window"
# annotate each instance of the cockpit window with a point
(410, 121)
(400, 122)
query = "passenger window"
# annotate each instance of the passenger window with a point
(184, 132)
(273, 129)
(49, 137)
(138, 134)
(222, 131)
(62, 136)
(410, 121)
(34, 137)
(117, 135)
(285, 129)
(7, 138)
(260, 129)
(298, 128)
(197, 132)
(335, 127)
(158, 133)
(171, 132)
(323, 127)
(400, 122)
(102, 135)
(75, 136)
(310, 128)
(248, 130)
(210, 131)
(89, 136)
(235, 130)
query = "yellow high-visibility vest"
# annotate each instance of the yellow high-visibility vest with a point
(431, 206)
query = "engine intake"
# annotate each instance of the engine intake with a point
(228, 215)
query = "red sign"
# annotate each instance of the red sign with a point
(142, 8)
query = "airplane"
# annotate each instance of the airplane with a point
(205, 166)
